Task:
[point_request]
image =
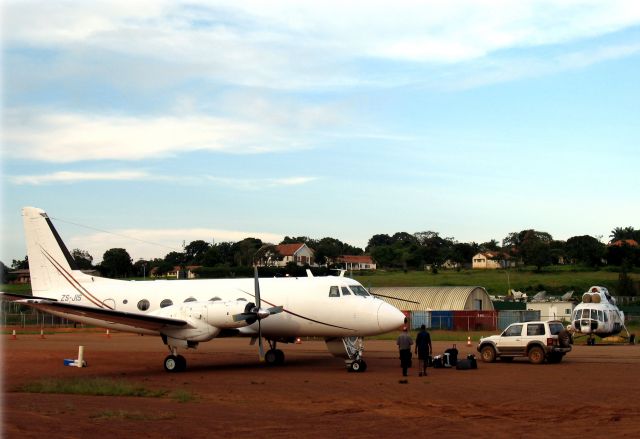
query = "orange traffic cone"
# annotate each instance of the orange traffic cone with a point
(468, 341)
(108, 335)
(42, 333)
(13, 335)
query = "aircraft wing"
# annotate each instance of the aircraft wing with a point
(144, 321)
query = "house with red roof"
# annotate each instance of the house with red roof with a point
(298, 252)
(352, 262)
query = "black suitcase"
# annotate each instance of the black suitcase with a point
(453, 356)
(437, 362)
(468, 363)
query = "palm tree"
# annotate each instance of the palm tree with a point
(622, 233)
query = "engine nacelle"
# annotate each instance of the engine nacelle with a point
(220, 314)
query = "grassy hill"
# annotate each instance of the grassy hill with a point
(556, 280)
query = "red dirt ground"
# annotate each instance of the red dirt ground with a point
(593, 393)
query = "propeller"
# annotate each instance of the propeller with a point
(256, 312)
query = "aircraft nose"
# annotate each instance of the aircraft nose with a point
(389, 317)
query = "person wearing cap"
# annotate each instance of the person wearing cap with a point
(423, 349)
(404, 343)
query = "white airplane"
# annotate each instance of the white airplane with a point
(186, 312)
(598, 315)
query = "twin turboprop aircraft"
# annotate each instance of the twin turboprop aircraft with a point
(186, 312)
(599, 315)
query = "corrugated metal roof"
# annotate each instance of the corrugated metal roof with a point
(432, 298)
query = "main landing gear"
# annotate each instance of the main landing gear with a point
(174, 362)
(273, 357)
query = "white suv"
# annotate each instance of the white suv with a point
(539, 341)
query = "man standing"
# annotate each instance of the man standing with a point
(423, 349)
(404, 343)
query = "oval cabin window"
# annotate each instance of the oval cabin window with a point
(143, 305)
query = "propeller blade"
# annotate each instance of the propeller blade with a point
(243, 316)
(260, 348)
(275, 309)
(256, 287)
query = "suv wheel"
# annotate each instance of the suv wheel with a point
(536, 355)
(488, 354)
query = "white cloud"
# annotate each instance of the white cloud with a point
(69, 137)
(261, 183)
(74, 177)
(150, 243)
(293, 44)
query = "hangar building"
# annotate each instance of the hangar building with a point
(435, 298)
(442, 307)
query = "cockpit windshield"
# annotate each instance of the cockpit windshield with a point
(359, 290)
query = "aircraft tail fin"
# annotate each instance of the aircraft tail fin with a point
(51, 266)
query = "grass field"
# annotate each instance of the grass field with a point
(556, 280)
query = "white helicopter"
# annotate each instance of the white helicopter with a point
(186, 312)
(599, 315)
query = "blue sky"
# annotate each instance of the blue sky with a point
(171, 121)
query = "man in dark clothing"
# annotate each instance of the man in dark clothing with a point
(423, 349)
(404, 343)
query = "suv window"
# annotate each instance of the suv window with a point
(555, 328)
(535, 329)
(513, 331)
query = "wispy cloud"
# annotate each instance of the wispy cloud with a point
(292, 44)
(261, 183)
(65, 177)
(156, 243)
(70, 137)
(75, 177)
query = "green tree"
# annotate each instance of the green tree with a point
(83, 259)
(116, 262)
(537, 253)
(175, 259)
(245, 251)
(492, 245)
(585, 250)
(195, 251)
(623, 233)
(20, 264)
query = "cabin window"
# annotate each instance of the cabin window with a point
(334, 292)
(600, 316)
(189, 299)
(125, 301)
(345, 291)
(535, 329)
(143, 305)
(513, 331)
(359, 290)
(606, 317)
(165, 303)
(594, 314)
(214, 299)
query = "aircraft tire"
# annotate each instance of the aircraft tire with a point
(279, 357)
(271, 357)
(358, 366)
(172, 364)
(182, 363)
